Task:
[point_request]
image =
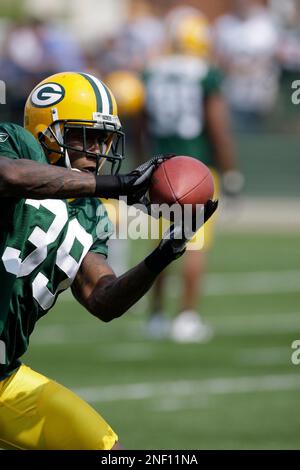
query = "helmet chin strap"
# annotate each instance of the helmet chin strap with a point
(60, 137)
(67, 160)
(100, 165)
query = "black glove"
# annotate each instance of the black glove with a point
(174, 241)
(134, 185)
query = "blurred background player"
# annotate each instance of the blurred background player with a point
(288, 17)
(186, 115)
(246, 44)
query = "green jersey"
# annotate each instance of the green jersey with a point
(42, 244)
(176, 88)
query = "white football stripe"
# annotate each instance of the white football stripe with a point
(188, 388)
(103, 93)
(233, 325)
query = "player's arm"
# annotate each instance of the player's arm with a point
(218, 126)
(29, 179)
(106, 296)
(103, 294)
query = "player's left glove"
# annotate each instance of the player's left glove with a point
(174, 241)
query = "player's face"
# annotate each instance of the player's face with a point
(95, 143)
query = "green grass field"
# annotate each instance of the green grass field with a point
(239, 391)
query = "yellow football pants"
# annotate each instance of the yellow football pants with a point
(38, 413)
(203, 239)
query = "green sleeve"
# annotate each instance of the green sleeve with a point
(213, 82)
(104, 229)
(100, 247)
(16, 142)
(8, 141)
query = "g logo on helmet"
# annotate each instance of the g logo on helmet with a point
(47, 95)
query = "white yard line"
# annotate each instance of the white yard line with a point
(224, 325)
(258, 215)
(264, 356)
(189, 388)
(273, 282)
(257, 324)
(244, 283)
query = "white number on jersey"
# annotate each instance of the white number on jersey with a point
(175, 107)
(41, 240)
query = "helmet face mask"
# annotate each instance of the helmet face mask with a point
(72, 104)
(111, 141)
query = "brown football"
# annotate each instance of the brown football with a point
(183, 180)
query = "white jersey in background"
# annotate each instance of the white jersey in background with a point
(247, 48)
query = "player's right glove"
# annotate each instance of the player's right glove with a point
(174, 241)
(134, 185)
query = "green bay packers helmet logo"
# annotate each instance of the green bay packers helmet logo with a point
(47, 95)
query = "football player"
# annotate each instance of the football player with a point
(54, 231)
(185, 114)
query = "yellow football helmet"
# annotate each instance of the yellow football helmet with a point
(191, 35)
(71, 100)
(128, 90)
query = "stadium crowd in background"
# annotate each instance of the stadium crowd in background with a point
(33, 48)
